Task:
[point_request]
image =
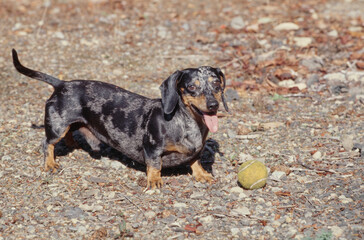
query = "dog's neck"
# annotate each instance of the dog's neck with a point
(181, 108)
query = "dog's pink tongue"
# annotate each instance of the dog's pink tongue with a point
(211, 122)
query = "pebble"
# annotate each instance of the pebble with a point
(153, 191)
(74, 212)
(179, 205)
(207, 219)
(344, 199)
(236, 190)
(150, 214)
(286, 26)
(241, 211)
(338, 76)
(92, 208)
(347, 142)
(302, 41)
(265, 20)
(59, 35)
(312, 64)
(333, 34)
(269, 229)
(277, 176)
(336, 231)
(82, 230)
(317, 155)
(290, 84)
(116, 164)
(162, 32)
(355, 76)
(243, 157)
(197, 195)
(237, 23)
(235, 231)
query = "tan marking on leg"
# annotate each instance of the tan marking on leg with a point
(200, 174)
(50, 163)
(154, 178)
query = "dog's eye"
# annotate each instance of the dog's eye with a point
(191, 88)
(216, 84)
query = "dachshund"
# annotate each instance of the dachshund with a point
(165, 132)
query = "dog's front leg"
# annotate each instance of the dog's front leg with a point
(154, 178)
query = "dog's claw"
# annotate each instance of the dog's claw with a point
(155, 183)
(204, 177)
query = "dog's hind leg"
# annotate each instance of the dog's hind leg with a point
(48, 149)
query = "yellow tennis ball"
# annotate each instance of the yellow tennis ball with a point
(252, 174)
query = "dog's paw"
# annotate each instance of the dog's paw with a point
(53, 167)
(154, 178)
(203, 177)
(154, 183)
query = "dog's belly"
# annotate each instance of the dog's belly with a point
(174, 159)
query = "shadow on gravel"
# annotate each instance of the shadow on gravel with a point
(207, 156)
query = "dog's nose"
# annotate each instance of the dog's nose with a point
(212, 105)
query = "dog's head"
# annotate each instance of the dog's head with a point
(200, 89)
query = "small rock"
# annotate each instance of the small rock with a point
(150, 214)
(245, 157)
(288, 219)
(313, 63)
(117, 72)
(265, 20)
(302, 41)
(336, 231)
(333, 34)
(59, 35)
(338, 76)
(116, 164)
(180, 205)
(241, 211)
(347, 142)
(276, 223)
(269, 229)
(235, 231)
(317, 155)
(277, 175)
(237, 23)
(286, 26)
(253, 28)
(162, 32)
(197, 195)
(355, 76)
(152, 191)
(286, 83)
(92, 208)
(207, 219)
(345, 200)
(82, 230)
(74, 212)
(236, 190)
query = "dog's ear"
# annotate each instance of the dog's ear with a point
(223, 88)
(169, 92)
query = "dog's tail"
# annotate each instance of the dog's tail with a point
(55, 82)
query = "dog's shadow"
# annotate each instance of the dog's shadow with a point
(207, 156)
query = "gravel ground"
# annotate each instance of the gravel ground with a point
(296, 96)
